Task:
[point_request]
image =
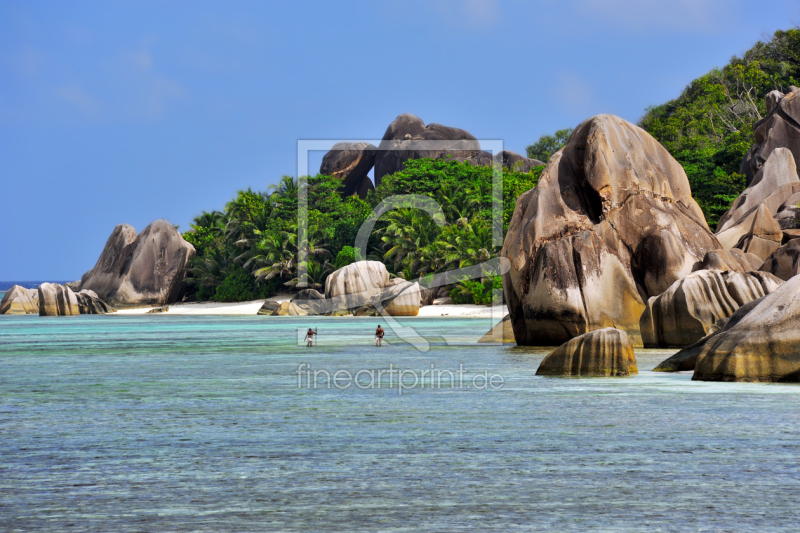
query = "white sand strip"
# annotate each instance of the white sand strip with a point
(251, 308)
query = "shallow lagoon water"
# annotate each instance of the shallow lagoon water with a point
(168, 423)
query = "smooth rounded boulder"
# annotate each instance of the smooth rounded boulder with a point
(20, 301)
(611, 223)
(350, 162)
(141, 270)
(686, 311)
(353, 285)
(407, 137)
(763, 346)
(57, 300)
(606, 352)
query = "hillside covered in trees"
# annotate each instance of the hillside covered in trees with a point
(249, 249)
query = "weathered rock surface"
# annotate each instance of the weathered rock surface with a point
(774, 183)
(406, 137)
(501, 332)
(610, 224)
(686, 358)
(600, 353)
(686, 311)
(268, 307)
(20, 301)
(764, 345)
(351, 286)
(288, 308)
(764, 235)
(90, 304)
(733, 259)
(785, 261)
(401, 298)
(143, 270)
(350, 162)
(57, 300)
(779, 129)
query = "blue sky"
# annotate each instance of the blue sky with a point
(115, 112)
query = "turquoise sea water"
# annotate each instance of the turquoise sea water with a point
(167, 423)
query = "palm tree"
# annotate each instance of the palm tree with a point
(458, 202)
(286, 188)
(315, 275)
(467, 244)
(274, 255)
(408, 232)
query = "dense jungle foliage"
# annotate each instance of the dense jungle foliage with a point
(250, 249)
(709, 127)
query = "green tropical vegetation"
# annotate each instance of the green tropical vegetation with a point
(250, 249)
(709, 127)
(547, 145)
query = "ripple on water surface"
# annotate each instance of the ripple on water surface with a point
(197, 424)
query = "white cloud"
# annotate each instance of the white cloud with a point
(692, 16)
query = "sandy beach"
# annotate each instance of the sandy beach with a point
(252, 307)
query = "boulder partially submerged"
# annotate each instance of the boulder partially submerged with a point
(600, 353)
(611, 223)
(501, 332)
(141, 270)
(57, 300)
(20, 301)
(685, 312)
(764, 345)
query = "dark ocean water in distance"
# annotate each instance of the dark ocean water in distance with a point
(170, 423)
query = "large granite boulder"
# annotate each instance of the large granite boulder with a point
(90, 304)
(141, 270)
(764, 345)
(57, 300)
(20, 301)
(686, 359)
(599, 353)
(779, 129)
(785, 261)
(686, 311)
(611, 223)
(351, 286)
(350, 162)
(407, 138)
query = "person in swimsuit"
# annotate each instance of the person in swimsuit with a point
(310, 337)
(379, 335)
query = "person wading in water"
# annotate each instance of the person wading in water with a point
(378, 335)
(310, 337)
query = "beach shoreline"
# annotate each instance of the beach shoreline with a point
(251, 308)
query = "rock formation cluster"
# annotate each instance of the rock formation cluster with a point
(611, 223)
(407, 137)
(137, 270)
